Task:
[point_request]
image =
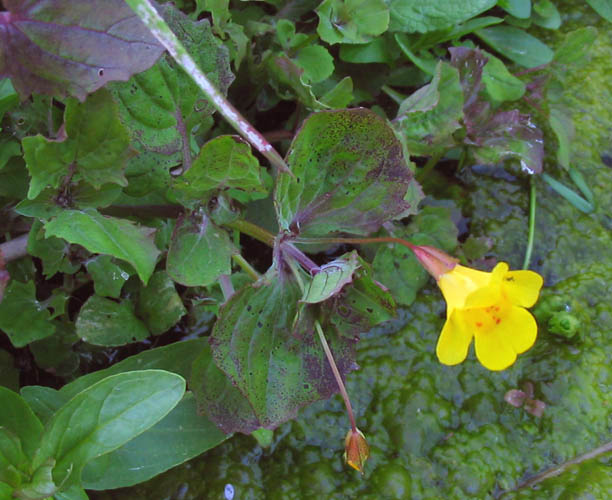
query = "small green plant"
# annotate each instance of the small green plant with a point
(134, 199)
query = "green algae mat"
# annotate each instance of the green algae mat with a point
(174, 293)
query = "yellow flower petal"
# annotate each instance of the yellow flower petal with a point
(522, 287)
(454, 341)
(494, 351)
(458, 284)
(519, 328)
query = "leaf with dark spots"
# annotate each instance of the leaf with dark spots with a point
(363, 304)
(62, 47)
(349, 175)
(278, 365)
(161, 106)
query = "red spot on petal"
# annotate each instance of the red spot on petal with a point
(497, 321)
(478, 324)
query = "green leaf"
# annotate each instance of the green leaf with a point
(546, 15)
(351, 21)
(107, 276)
(340, 96)
(331, 278)
(576, 45)
(362, 304)
(412, 16)
(55, 354)
(41, 483)
(17, 417)
(317, 63)
(428, 117)
(379, 50)
(44, 401)
(105, 322)
(163, 106)
(199, 251)
(501, 85)
(277, 365)
(176, 357)
(94, 150)
(571, 196)
(218, 397)
(517, 8)
(8, 149)
(22, 317)
(563, 128)
(108, 235)
(8, 96)
(287, 79)
(178, 437)
(52, 251)
(516, 45)
(51, 202)
(13, 462)
(350, 175)
(603, 8)
(104, 417)
(159, 305)
(9, 374)
(225, 162)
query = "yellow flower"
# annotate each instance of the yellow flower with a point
(488, 307)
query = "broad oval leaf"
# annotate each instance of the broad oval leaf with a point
(517, 45)
(22, 316)
(199, 252)
(411, 16)
(178, 437)
(108, 235)
(18, 418)
(278, 365)
(102, 321)
(350, 175)
(61, 47)
(104, 417)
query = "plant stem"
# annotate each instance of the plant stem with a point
(299, 256)
(158, 27)
(355, 241)
(431, 163)
(532, 213)
(396, 96)
(245, 266)
(559, 469)
(253, 230)
(334, 368)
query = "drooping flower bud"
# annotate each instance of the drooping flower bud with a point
(435, 261)
(356, 449)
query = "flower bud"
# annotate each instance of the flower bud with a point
(356, 449)
(435, 261)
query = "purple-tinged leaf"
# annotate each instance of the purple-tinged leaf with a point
(509, 134)
(278, 365)
(506, 134)
(350, 175)
(63, 47)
